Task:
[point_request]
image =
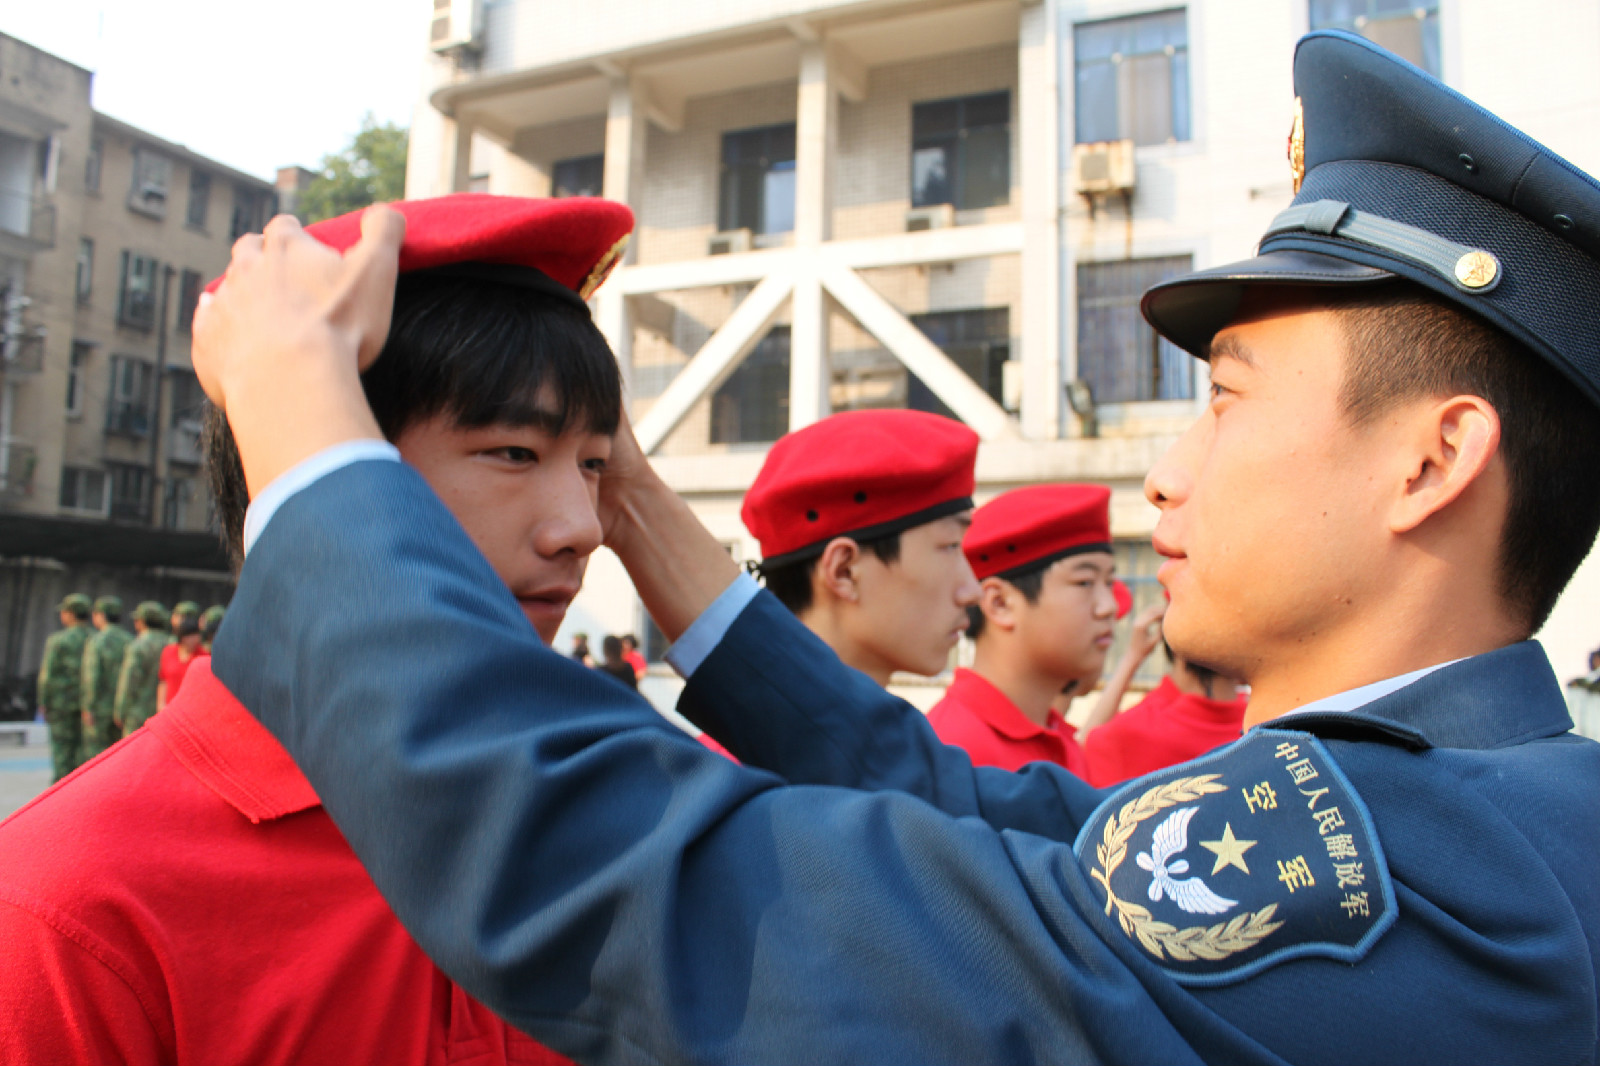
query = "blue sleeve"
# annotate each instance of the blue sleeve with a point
(618, 891)
(778, 698)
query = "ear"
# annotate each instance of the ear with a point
(997, 600)
(835, 572)
(1455, 442)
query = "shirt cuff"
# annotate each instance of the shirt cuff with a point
(702, 638)
(305, 473)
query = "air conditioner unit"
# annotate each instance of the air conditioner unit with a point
(1102, 167)
(457, 25)
(729, 241)
(938, 216)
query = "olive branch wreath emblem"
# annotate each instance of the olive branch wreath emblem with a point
(1209, 943)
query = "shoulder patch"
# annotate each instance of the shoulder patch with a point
(1252, 855)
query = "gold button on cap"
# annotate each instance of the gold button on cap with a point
(1477, 269)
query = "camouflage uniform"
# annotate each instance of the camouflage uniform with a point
(210, 622)
(141, 669)
(102, 667)
(60, 677)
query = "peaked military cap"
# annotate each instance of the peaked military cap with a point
(861, 474)
(76, 602)
(562, 247)
(151, 613)
(187, 608)
(109, 606)
(1399, 176)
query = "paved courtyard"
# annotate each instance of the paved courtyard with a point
(24, 770)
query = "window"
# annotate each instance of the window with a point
(177, 497)
(1120, 357)
(80, 359)
(128, 404)
(188, 299)
(978, 341)
(1409, 29)
(152, 177)
(199, 198)
(188, 399)
(752, 406)
(136, 302)
(961, 151)
(91, 165)
(584, 176)
(130, 490)
(85, 268)
(758, 180)
(1133, 79)
(250, 212)
(83, 490)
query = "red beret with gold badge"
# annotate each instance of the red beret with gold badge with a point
(571, 242)
(860, 474)
(1028, 529)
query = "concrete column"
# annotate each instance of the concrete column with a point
(816, 141)
(626, 132)
(1039, 126)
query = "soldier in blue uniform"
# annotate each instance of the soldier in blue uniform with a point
(1399, 862)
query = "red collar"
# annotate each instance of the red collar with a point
(1199, 708)
(977, 693)
(218, 741)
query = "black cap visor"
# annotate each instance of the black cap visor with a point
(1191, 310)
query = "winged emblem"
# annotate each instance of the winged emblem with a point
(1170, 839)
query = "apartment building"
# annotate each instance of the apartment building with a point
(107, 235)
(950, 205)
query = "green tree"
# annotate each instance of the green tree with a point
(371, 170)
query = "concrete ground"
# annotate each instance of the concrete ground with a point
(24, 769)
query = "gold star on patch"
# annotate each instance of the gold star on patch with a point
(1229, 850)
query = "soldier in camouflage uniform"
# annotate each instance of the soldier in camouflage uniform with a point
(210, 622)
(60, 677)
(185, 609)
(102, 668)
(141, 668)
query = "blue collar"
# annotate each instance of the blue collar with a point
(1493, 700)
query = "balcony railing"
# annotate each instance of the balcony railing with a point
(23, 355)
(18, 462)
(33, 218)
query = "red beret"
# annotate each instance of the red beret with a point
(1026, 529)
(861, 474)
(574, 241)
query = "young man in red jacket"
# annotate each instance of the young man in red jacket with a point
(185, 898)
(1045, 618)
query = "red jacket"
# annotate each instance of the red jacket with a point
(1167, 727)
(184, 898)
(978, 717)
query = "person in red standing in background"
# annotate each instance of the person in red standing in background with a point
(1045, 617)
(175, 659)
(1192, 711)
(632, 656)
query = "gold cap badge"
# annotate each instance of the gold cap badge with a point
(1477, 269)
(603, 268)
(1297, 145)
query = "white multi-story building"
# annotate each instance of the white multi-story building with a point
(952, 205)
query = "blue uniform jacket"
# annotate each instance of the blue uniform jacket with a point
(624, 895)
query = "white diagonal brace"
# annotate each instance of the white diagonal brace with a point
(906, 343)
(716, 359)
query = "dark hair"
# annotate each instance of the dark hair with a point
(791, 582)
(481, 351)
(80, 613)
(611, 648)
(111, 617)
(1029, 583)
(1406, 343)
(629, 640)
(189, 627)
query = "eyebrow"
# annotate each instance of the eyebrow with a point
(532, 416)
(1230, 348)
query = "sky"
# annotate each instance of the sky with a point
(251, 84)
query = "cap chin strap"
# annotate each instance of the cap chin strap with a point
(1471, 270)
